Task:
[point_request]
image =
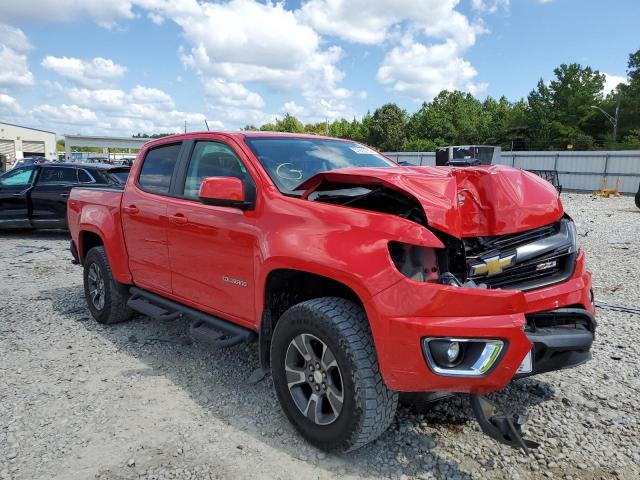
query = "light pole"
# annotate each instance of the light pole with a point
(612, 119)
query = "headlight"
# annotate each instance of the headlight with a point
(417, 263)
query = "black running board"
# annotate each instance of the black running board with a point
(204, 327)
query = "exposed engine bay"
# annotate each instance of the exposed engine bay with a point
(522, 261)
(377, 198)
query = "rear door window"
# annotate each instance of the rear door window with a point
(157, 168)
(51, 175)
(84, 176)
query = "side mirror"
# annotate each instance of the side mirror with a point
(224, 192)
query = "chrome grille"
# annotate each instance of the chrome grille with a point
(543, 256)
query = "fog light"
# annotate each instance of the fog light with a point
(465, 357)
(446, 353)
(453, 352)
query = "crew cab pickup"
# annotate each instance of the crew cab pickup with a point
(357, 277)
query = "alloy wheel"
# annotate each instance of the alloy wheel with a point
(96, 286)
(314, 379)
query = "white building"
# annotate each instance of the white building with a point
(18, 142)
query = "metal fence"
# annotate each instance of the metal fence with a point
(582, 171)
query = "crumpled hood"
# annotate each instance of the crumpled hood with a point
(462, 201)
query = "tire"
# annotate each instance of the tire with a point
(638, 198)
(110, 305)
(349, 364)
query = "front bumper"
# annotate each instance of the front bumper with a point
(561, 339)
(404, 314)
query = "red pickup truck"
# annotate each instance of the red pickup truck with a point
(357, 277)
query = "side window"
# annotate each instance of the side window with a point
(84, 177)
(211, 159)
(18, 177)
(57, 175)
(157, 168)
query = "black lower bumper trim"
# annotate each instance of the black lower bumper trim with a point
(561, 339)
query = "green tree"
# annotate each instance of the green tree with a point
(574, 91)
(540, 117)
(628, 96)
(451, 118)
(388, 128)
(269, 127)
(290, 124)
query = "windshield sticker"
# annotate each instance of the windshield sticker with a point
(362, 150)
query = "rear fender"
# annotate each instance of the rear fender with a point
(105, 222)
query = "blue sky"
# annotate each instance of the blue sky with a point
(128, 66)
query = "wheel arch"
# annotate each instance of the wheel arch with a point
(285, 287)
(91, 236)
(87, 240)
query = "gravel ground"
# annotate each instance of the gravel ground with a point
(138, 400)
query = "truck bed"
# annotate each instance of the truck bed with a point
(97, 210)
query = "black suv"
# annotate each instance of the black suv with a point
(35, 196)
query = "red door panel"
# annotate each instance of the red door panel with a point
(145, 234)
(211, 253)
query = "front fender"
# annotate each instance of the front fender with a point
(344, 244)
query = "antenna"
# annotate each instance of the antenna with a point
(185, 126)
(206, 124)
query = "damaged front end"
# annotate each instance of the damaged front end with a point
(504, 296)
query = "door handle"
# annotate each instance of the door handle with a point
(178, 219)
(16, 195)
(64, 194)
(131, 209)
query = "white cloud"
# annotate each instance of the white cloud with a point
(155, 18)
(293, 108)
(230, 47)
(65, 114)
(373, 22)
(8, 104)
(14, 69)
(104, 99)
(155, 96)
(428, 55)
(14, 38)
(237, 117)
(492, 6)
(232, 94)
(360, 21)
(241, 47)
(107, 111)
(91, 73)
(422, 71)
(612, 81)
(102, 12)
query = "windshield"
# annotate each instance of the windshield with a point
(290, 161)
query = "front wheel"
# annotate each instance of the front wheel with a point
(326, 375)
(106, 299)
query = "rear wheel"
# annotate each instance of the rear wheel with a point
(326, 374)
(106, 299)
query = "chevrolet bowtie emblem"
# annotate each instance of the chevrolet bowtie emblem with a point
(491, 266)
